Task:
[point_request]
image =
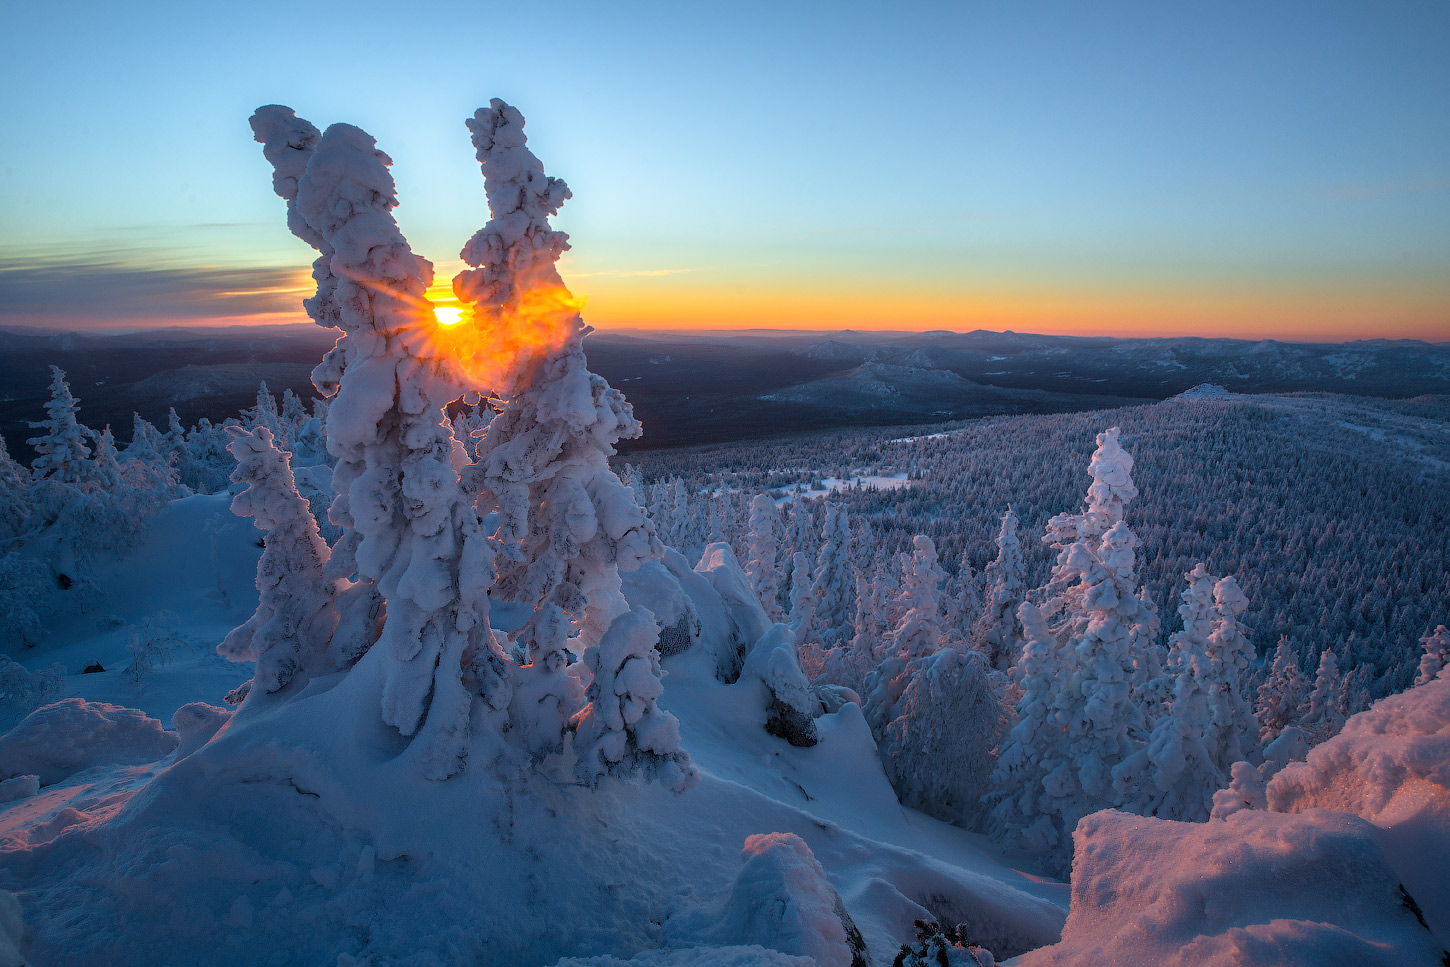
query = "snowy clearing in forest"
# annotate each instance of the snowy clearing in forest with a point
(831, 485)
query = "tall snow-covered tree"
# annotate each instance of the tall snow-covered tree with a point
(291, 630)
(1234, 733)
(289, 144)
(996, 631)
(61, 450)
(918, 635)
(408, 527)
(1209, 727)
(763, 555)
(1098, 628)
(567, 522)
(1436, 655)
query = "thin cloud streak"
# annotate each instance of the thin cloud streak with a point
(98, 289)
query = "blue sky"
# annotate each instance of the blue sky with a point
(1278, 169)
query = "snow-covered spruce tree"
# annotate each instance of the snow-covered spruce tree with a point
(1099, 627)
(997, 632)
(15, 506)
(918, 635)
(1436, 655)
(1281, 695)
(407, 524)
(288, 144)
(1034, 759)
(567, 522)
(1176, 774)
(1234, 730)
(1325, 715)
(296, 614)
(61, 451)
(762, 555)
(831, 581)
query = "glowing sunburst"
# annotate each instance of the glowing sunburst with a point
(448, 315)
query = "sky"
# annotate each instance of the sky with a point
(1256, 169)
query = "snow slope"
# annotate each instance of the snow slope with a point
(330, 845)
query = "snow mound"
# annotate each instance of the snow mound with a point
(196, 723)
(1389, 765)
(782, 900)
(57, 741)
(1257, 888)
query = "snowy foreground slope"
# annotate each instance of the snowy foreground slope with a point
(254, 851)
(146, 846)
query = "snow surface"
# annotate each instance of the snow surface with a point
(248, 845)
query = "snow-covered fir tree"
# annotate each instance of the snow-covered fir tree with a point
(1282, 693)
(61, 452)
(763, 555)
(832, 587)
(408, 528)
(291, 630)
(1325, 715)
(567, 522)
(997, 632)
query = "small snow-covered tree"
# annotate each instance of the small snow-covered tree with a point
(1436, 655)
(622, 731)
(61, 450)
(1192, 748)
(1034, 761)
(762, 555)
(545, 696)
(296, 614)
(1281, 695)
(918, 635)
(831, 581)
(1325, 715)
(1234, 734)
(996, 631)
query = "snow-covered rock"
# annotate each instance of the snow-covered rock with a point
(1257, 888)
(1390, 765)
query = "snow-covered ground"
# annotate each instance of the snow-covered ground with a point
(250, 847)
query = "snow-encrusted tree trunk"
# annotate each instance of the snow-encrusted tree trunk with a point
(762, 555)
(996, 631)
(296, 609)
(413, 533)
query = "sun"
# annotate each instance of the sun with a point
(448, 315)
